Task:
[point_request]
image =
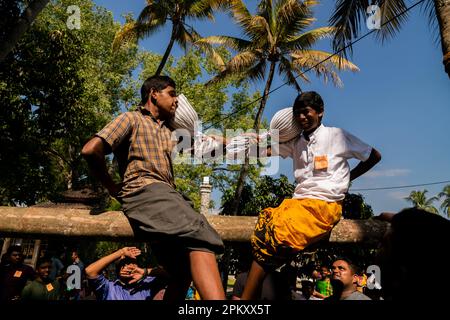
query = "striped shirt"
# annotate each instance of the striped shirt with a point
(142, 147)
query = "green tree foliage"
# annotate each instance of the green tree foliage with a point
(419, 200)
(355, 207)
(57, 88)
(445, 194)
(157, 13)
(266, 192)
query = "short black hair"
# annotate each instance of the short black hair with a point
(308, 99)
(353, 267)
(41, 261)
(155, 82)
(12, 249)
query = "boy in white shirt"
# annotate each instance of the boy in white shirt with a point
(323, 176)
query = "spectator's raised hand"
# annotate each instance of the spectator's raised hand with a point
(130, 252)
(132, 272)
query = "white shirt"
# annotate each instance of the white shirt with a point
(321, 168)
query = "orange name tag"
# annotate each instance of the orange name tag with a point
(49, 287)
(320, 162)
(17, 274)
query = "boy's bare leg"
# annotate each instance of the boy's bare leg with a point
(252, 289)
(205, 274)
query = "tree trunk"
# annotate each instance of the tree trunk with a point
(245, 167)
(21, 26)
(443, 16)
(65, 221)
(168, 49)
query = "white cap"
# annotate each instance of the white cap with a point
(284, 122)
(185, 116)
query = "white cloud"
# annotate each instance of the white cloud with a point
(387, 173)
(398, 195)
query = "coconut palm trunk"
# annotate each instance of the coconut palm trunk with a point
(168, 49)
(21, 26)
(442, 8)
(245, 167)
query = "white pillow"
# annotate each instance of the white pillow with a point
(287, 127)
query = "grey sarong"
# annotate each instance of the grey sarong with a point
(159, 213)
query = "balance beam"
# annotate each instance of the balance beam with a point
(41, 223)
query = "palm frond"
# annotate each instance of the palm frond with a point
(293, 17)
(308, 39)
(154, 10)
(132, 31)
(211, 53)
(347, 18)
(291, 10)
(429, 8)
(240, 13)
(285, 70)
(392, 11)
(257, 72)
(184, 36)
(206, 5)
(311, 57)
(300, 73)
(146, 30)
(230, 42)
(242, 61)
(259, 29)
(126, 34)
(266, 11)
(201, 9)
(239, 64)
(323, 63)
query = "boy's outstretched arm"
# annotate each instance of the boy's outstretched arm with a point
(365, 166)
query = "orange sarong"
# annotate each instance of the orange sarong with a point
(282, 232)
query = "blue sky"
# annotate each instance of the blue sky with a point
(399, 102)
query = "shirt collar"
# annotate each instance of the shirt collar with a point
(146, 112)
(313, 134)
(126, 286)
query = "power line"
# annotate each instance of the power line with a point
(402, 187)
(309, 69)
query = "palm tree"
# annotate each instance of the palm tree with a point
(157, 12)
(446, 203)
(350, 14)
(419, 200)
(277, 36)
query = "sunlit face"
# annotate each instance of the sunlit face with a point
(324, 272)
(341, 271)
(166, 100)
(308, 118)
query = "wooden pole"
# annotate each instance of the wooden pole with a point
(41, 222)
